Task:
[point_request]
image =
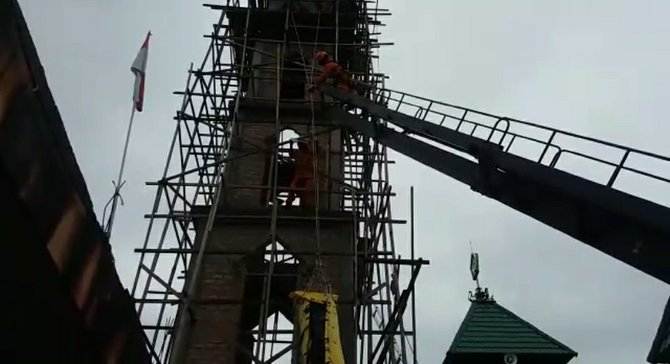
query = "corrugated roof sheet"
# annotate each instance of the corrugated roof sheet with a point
(490, 328)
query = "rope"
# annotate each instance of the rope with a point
(318, 278)
(117, 193)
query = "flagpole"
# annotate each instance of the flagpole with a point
(119, 183)
(139, 69)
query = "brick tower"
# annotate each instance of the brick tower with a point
(241, 272)
(218, 290)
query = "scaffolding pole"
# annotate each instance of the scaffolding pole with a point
(191, 186)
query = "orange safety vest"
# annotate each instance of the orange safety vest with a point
(339, 75)
(304, 164)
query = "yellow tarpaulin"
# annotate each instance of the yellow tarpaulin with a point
(318, 328)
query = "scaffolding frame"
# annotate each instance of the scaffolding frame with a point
(193, 178)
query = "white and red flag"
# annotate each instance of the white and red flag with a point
(139, 68)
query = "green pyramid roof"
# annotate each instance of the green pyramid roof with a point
(489, 328)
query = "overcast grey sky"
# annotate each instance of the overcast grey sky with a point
(597, 67)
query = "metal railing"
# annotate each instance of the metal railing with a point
(533, 141)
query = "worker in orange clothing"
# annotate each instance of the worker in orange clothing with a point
(303, 175)
(332, 70)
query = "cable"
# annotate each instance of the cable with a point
(317, 277)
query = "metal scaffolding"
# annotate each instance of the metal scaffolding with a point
(192, 183)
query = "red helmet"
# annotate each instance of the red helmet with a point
(321, 56)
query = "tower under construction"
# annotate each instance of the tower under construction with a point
(232, 237)
(272, 219)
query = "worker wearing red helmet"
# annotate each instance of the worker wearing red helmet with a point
(332, 70)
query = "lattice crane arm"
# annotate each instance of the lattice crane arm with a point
(629, 228)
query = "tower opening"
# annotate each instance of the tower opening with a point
(284, 163)
(274, 343)
(281, 255)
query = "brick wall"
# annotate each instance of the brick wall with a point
(219, 329)
(264, 84)
(251, 166)
(213, 334)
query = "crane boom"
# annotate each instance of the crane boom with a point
(632, 229)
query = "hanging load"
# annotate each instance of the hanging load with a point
(317, 328)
